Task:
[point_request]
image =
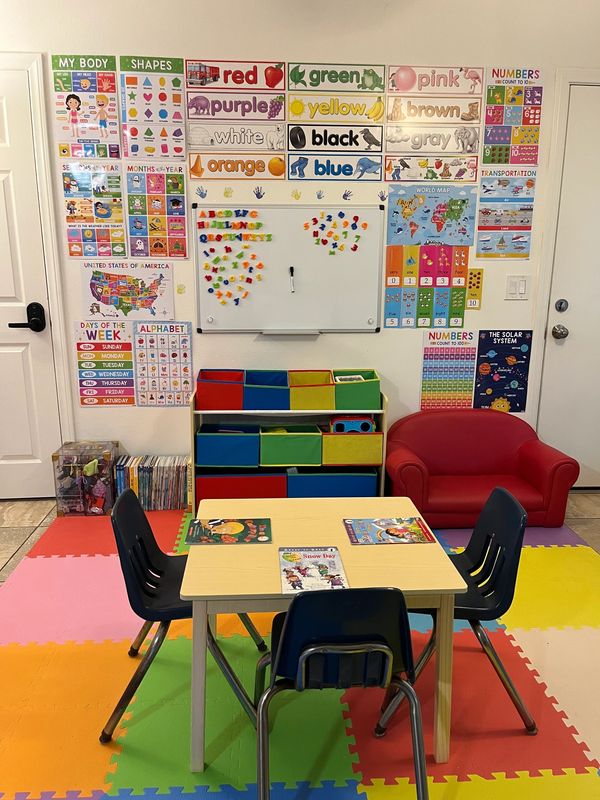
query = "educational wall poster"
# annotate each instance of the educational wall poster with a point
(152, 107)
(235, 106)
(513, 114)
(336, 77)
(458, 169)
(122, 290)
(335, 138)
(156, 211)
(502, 370)
(224, 136)
(234, 75)
(334, 167)
(448, 369)
(226, 255)
(236, 166)
(163, 359)
(105, 363)
(93, 209)
(426, 213)
(433, 140)
(439, 110)
(504, 223)
(86, 117)
(421, 80)
(474, 289)
(331, 107)
(425, 286)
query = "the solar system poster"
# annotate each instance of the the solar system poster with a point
(502, 370)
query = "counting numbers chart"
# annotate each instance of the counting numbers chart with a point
(447, 377)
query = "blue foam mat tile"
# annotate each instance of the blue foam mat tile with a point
(422, 624)
(279, 791)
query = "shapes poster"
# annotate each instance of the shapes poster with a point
(424, 213)
(156, 211)
(505, 212)
(93, 209)
(513, 114)
(448, 369)
(86, 117)
(152, 107)
(502, 370)
(163, 358)
(122, 291)
(425, 286)
(105, 363)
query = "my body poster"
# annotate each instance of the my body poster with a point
(163, 357)
(505, 215)
(105, 363)
(152, 107)
(85, 110)
(448, 369)
(127, 291)
(93, 209)
(156, 211)
(502, 372)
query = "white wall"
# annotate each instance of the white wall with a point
(513, 33)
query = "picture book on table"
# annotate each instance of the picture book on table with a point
(306, 568)
(229, 531)
(393, 530)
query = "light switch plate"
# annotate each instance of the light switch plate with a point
(517, 287)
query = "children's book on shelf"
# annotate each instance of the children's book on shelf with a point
(393, 530)
(229, 531)
(306, 568)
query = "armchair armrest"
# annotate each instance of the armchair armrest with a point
(546, 468)
(408, 474)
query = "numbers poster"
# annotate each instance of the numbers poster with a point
(156, 211)
(85, 110)
(163, 358)
(152, 108)
(93, 209)
(126, 291)
(448, 369)
(502, 370)
(423, 213)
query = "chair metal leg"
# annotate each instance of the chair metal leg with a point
(231, 678)
(488, 649)
(262, 744)
(140, 639)
(134, 683)
(416, 728)
(259, 679)
(252, 630)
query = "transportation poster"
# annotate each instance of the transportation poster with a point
(127, 290)
(105, 363)
(85, 110)
(425, 213)
(163, 358)
(506, 201)
(502, 371)
(93, 209)
(152, 107)
(156, 211)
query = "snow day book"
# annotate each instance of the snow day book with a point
(306, 568)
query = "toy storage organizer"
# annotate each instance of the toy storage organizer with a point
(269, 433)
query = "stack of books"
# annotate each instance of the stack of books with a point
(160, 482)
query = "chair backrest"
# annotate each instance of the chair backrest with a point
(142, 561)
(364, 632)
(494, 550)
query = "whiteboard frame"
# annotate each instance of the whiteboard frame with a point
(313, 207)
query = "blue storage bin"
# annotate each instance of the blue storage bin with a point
(331, 484)
(266, 389)
(227, 446)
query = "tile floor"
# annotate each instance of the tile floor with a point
(22, 522)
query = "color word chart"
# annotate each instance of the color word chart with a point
(163, 357)
(105, 363)
(448, 369)
(156, 211)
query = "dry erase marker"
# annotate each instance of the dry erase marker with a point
(292, 279)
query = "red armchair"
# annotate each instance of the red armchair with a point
(449, 461)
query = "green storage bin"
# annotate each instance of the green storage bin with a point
(292, 445)
(362, 395)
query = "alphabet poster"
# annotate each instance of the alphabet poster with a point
(86, 117)
(105, 363)
(126, 291)
(505, 218)
(513, 114)
(502, 370)
(152, 107)
(163, 357)
(423, 213)
(448, 369)
(156, 211)
(93, 209)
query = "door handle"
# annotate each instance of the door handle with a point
(560, 332)
(36, 318)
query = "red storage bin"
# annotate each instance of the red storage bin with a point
(229, 487)
(218, 389)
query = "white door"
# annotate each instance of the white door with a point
(570, 398)
(29, 420)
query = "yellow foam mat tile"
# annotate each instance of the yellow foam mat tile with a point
(566, 661)
(55, 701)
(556, 587)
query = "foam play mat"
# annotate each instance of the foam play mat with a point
(66, 626)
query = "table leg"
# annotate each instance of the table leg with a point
(199, 639)
(443, 684)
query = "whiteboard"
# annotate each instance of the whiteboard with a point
(245, 254)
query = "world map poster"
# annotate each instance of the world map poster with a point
(422, 213)
(127, 291)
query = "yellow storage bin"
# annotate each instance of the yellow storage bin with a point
(340, 449)
(311, 389)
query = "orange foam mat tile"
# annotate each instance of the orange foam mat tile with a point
(55, 701)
